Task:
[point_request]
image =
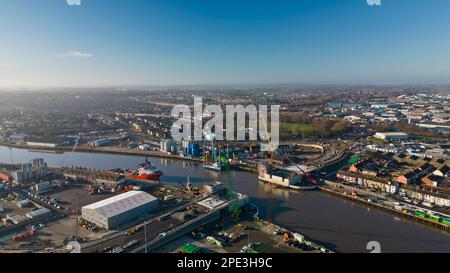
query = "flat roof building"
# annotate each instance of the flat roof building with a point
(212, 203)
(392, 136)
(39, 213)
(116, 211)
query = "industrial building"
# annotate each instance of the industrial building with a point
(100, 142)
(23, 203)
(111, 213)
(190, 148)
(15, 219)
(169, 146)
(4, 176)
(43, 187)
(39, 213)
(43, 144)
(280, 177)
(35, 169)
(392, 136)
(212, 203)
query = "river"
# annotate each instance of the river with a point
(340, 225)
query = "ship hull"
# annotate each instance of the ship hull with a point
(145, 176)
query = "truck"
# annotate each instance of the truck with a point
(117, 250)
(134, 230)
(23, 236)
(299, 237)
(130, 244)
(446, 222)
(420, 213)
(214, 241)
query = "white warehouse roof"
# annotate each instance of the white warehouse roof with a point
(121, 203)
(393, 134)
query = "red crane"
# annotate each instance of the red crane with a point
(308, 177)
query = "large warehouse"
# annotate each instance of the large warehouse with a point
(115, 211)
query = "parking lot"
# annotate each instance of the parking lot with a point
(77, 195)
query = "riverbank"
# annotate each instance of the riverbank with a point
(104, 150)
(387, 209)
(298, 236)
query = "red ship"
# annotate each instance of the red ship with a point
(146, 171)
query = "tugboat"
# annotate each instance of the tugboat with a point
(146, 171)
(214, 166)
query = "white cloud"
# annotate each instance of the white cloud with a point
(74, 54)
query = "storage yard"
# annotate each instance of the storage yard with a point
(248, 236)
(102, 216)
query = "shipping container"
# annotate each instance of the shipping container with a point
(446, 222)
(433, 218)
(420, 213)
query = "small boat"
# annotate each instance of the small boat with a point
(214, 167)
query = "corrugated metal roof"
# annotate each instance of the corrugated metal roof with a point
(38, 212)
(121, 203)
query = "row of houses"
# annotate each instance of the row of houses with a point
(433, 195)
(368, 181)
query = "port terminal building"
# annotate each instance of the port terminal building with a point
(280, 177)
(113, 212)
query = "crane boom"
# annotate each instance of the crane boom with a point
(309, 177)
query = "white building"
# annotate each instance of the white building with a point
(42, 144)
(280, 177)
(100, 142)
(43, 187)
(352, 118)
(212, 203)
(35, 169)
(115, 211)
(169, 146)
(392, 136)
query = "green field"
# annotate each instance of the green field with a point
(297, 127)
(378, 140)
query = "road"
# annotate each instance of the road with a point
(153, 229)
(180, 230)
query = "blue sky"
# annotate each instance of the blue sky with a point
(175, 42)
